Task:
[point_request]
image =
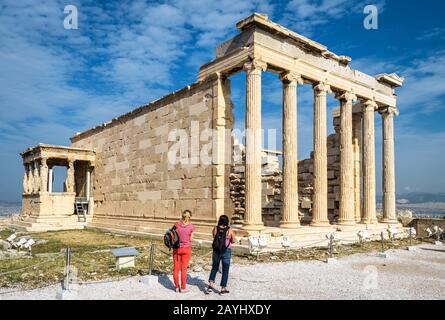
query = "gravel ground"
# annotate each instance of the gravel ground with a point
(404, 274)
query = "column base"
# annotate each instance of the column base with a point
(369, 222)
(320, 224)
(347, 222)
(290, 225)
(253, 227)
(390, 221)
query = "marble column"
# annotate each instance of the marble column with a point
(289, 210)
(25, 179)
(44, 176)
(357, 147)
(320, 195)
(253, 213)
(69, 182)
(50, 179)
(30, 177)
(87, 184)
(36, 178)
(346, 215)
(389, 189)
(369, 193)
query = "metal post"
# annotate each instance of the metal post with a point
(382, 240)
(67, 269)
(331, 245)
(438, 234)
(152, 246)
(410, 237)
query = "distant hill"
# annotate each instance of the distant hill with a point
(418, 197)
(9, 208)
(9, 204)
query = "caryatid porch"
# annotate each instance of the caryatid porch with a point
(41, 204)
(264, 45)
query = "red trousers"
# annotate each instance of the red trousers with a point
(181, 258)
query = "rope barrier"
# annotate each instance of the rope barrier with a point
(167, 254)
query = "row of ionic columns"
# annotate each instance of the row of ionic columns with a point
(347, 214)
(38, 177)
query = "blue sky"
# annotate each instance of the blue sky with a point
(55, 82)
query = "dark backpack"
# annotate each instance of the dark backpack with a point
(219, 241)
(171, 238)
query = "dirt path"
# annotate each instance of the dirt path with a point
(403, 275)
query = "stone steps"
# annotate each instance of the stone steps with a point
(142, 232)
(50, 223)
(138, 222)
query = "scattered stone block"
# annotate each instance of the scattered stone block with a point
(412, 248)
(383, 255)
(439, 243)
(306, 203)
(5, 245)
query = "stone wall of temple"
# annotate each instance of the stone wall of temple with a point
(134, 178)
(305, 180)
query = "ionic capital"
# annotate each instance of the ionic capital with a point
(70, 164)
(389, 111)
(370, 105)
(44, 162)
(255, 65)
(291, 78)
(346, 96)
(322, 88)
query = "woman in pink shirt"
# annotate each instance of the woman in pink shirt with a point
(181, 256)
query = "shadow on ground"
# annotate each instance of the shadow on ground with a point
(167, 283)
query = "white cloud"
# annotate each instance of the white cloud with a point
(437, 33)
(304, 16)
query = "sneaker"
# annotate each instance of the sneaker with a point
(177, 290)
(224, 291)
(209, 290)
(184, 290)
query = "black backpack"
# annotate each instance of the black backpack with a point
(171, 238)
(219, 241)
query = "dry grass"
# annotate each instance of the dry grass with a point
(92, 260)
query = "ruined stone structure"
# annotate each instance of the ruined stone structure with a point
(135, 188)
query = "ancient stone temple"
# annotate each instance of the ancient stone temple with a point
(122, 176)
